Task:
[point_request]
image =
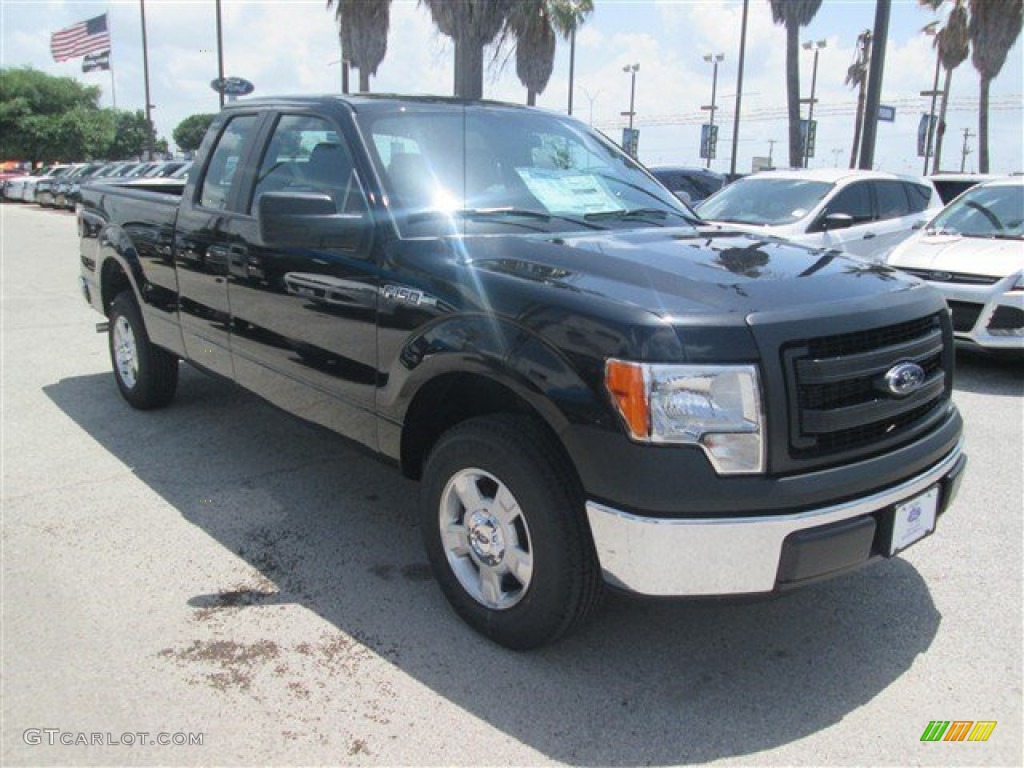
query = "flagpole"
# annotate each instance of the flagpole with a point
(145, 75)
(110, 62)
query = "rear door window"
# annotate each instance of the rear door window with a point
(891, 199)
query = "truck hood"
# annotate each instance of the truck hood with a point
(959, 254)
(677, 272)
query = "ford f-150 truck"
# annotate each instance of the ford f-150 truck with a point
(595, 388)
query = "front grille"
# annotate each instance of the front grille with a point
(962, 278)
(965, 315)
(839, 401)
(1006, 319)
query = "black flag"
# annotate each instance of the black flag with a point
(96, 61)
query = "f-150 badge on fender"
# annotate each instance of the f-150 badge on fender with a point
(407, 295)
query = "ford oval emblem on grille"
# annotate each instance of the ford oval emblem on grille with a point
(904, 379)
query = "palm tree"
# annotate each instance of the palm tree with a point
(530, 23)
(533, 26)
(568, 16)
(857, 77)
(794, 14)
(363, 28)
(993, 28)
(472, 24)
(952, 42)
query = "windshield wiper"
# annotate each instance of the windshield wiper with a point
(486, 213)
(631, 213)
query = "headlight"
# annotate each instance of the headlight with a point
(717, 407)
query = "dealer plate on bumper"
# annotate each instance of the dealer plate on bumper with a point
(914, 519)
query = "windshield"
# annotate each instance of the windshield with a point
(764, 201)
(996, 211)
(494, 169)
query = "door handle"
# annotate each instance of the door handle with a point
(869, 235)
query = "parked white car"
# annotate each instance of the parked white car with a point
(974, 253)
(862, 213)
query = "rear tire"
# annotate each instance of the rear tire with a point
(503, 523)
(146, 374)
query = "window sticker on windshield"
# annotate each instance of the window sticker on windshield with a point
(569, 191)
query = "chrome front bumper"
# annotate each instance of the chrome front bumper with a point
(724, 556)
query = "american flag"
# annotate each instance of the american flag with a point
(82, 38)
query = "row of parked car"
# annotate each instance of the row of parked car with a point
(59, 186)
(964, 234)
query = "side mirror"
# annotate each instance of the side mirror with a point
(304, 219)
(837, 221)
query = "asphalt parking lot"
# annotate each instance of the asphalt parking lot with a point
(221, 570)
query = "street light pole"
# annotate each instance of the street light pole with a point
(739, 89)
(591, 99)
(816, 47)
(632, 69)
(713, 59)
(931, 111)
(220, 56)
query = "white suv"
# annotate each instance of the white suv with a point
(862, 213)
(974, 253)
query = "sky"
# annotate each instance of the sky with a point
(291, 47)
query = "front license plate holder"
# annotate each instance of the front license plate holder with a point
(913, 519)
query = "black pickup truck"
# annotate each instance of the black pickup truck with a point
(595, 387)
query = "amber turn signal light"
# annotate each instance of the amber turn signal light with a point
(625, 382)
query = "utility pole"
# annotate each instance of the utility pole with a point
(771, 151)
(878, 41)
(965, 152)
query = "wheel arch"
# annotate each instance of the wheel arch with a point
(120, 270)
(454, 397)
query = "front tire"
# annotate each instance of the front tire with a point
(146, 374)
(503, 523)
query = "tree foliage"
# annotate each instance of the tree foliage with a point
(994, 27)
(189, 133)
(43, 117)
(533, 26)
(363, 28)
(129, 134)
(952, 43)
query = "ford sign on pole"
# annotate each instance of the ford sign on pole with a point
(232, 87)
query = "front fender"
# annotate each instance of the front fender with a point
(503, 353)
